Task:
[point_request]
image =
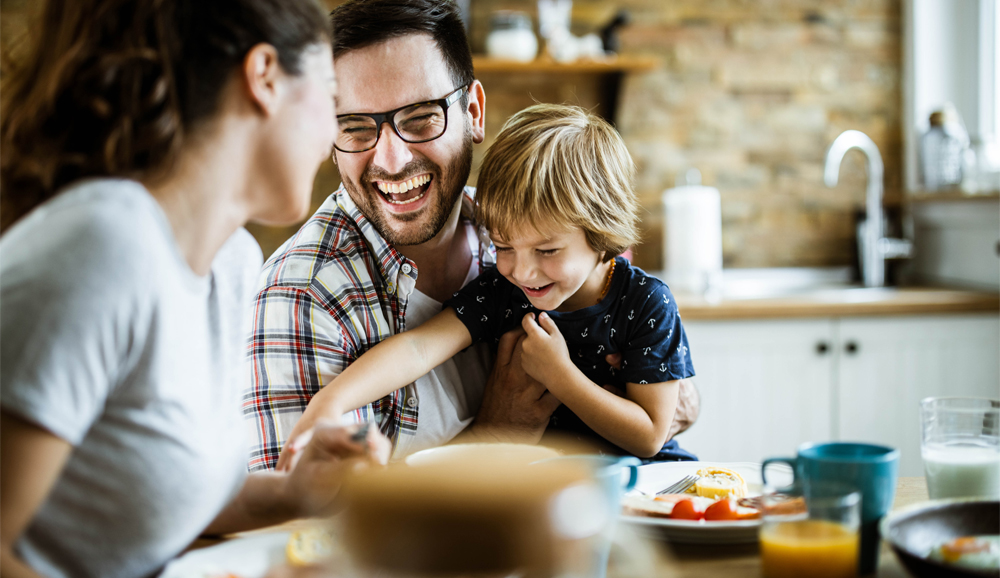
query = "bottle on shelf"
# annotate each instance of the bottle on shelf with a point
(942, 149)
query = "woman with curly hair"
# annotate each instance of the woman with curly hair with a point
(138, 138)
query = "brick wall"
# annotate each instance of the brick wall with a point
(750, 93)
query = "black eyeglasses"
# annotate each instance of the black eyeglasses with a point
(414, 123)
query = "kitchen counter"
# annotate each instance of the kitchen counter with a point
(840, 302)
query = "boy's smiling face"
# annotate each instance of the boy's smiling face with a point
(557, 270)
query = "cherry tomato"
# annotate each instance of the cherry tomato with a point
(684, 510)
(724, 509)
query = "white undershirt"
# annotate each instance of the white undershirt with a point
(449, 396)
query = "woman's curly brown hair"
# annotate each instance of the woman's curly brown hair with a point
(111, 87)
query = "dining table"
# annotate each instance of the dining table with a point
(739, 561)
(693, 560)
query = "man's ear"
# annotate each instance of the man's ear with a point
(261, 76)
(477, 111)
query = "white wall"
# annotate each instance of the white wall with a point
(957, 244)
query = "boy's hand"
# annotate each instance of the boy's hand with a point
(516, 407)
(545, 356)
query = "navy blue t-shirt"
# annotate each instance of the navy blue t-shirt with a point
(637, 318)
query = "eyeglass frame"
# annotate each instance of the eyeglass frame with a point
(387, 117)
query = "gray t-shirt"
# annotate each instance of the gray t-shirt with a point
(111, 342)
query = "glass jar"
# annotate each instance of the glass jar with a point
(942, 150)
(511, 36)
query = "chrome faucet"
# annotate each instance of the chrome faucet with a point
(873, 247)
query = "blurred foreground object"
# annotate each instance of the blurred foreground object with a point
(476, 511)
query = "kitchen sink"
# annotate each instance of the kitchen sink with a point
(783, 282)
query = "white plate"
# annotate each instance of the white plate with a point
(655, 477)
(246, 557)
(457, 452)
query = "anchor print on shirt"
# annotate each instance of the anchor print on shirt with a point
(480, 298)
(584, 334)
(460, 310)
(665, 300)
(507, 314)
(612, 333)
(482, 283)
(642, 281)
(484, 319)
(631, 314)
(652, 322)
(600, 348)
(607, 318)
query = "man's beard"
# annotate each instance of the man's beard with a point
(449, 189)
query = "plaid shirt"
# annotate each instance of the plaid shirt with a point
(328, 294)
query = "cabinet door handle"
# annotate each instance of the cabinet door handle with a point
(851, 347)
(822, 347)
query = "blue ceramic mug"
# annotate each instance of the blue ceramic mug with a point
(615, 476)
(869, 468)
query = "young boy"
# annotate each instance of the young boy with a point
(555, 193)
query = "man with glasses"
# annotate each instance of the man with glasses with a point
(384, 250)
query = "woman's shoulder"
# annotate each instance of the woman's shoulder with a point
(97, 233)
(99, 211)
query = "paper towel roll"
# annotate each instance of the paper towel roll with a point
(693, 238)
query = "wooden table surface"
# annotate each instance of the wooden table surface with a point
(744, 560)
(699, 561)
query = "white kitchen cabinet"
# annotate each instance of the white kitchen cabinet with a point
(768, 385)
(765, 385)
(887, 365)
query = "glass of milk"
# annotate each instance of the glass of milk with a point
(961, 446)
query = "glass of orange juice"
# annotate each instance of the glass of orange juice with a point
(810, 529)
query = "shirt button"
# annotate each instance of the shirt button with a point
(411, 401)
(406, 268)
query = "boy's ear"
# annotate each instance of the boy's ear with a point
(477, 111)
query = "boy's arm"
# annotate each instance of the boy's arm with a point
(638, 422)
(388, 366)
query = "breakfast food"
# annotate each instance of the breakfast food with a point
(687, 507)
(719, 483)
(972, 552)
(309, 546)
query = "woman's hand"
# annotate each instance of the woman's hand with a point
(545, 355)
(312, 485)
(327, 457)
(320, 408)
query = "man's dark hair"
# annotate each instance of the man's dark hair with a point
(361, 23)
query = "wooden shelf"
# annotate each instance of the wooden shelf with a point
(616, 64)
(950, 195)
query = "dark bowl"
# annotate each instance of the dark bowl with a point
(914, 531)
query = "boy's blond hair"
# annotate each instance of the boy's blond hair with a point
(560, 165)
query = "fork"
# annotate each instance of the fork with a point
(679, 486)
